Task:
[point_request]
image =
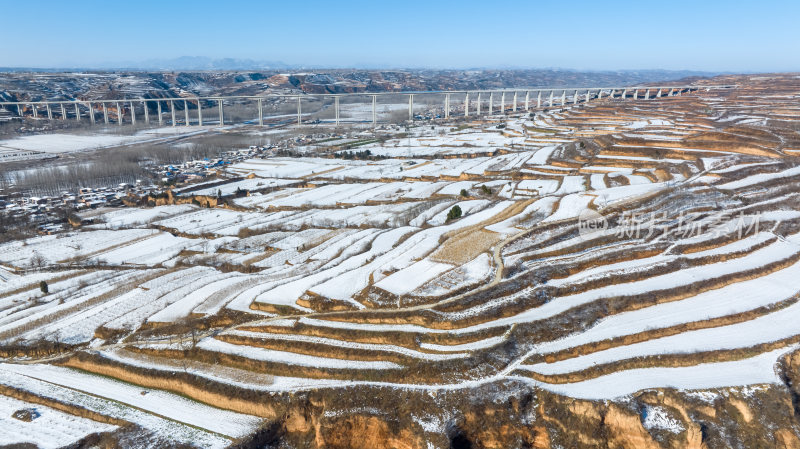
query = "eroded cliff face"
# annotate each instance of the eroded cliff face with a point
(513, 415)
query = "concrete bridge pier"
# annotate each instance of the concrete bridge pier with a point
(375, 110)
(91, 113)
(49, 111)
(478, 105)
(647, 94)
(514, 103)
(447, 106)
(600, 94)
(550, 103)
(587, 95)
(222, 112)
(539, 100)
(172, 111)
(502, 102)
(146, 112)
(466, 104)
(261, 113)
(491, 102)
(411, 107)
(527, 100)
(658, 94)
(186, 121)
(120, 114)
(77, 113)
(336, 109)
(133, 114)
(160, 119)
(563, 97)
(624, 93)
(671, 92)
(199, 113)
(575, 98)
(19, 111)
(105, 113)
(636, 94)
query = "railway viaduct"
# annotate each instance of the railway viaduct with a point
(470, 102)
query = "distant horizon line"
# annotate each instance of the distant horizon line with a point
(142, 68)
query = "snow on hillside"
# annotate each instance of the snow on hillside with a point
(329, 271)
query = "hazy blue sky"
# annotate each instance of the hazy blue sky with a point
(698, 35)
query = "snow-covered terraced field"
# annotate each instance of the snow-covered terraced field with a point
(50, 429)
(446, 259)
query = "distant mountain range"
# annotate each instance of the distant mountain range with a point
(203, 63)
(180, 63)
(204, 77)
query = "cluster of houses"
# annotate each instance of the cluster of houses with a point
(48, 212)
(85, 198)
(45, 210)
(200, 169)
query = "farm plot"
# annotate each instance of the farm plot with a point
(285, 168)
(155, 403)
(67, 143)
(133, 217)
(230, 188)
(31, 320)
(755, 370)
(47, 428)
(51, 249)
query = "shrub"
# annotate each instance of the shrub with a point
(486, 190)
(455, 213)
(464, 193)
(26, 414)
(45, 289)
